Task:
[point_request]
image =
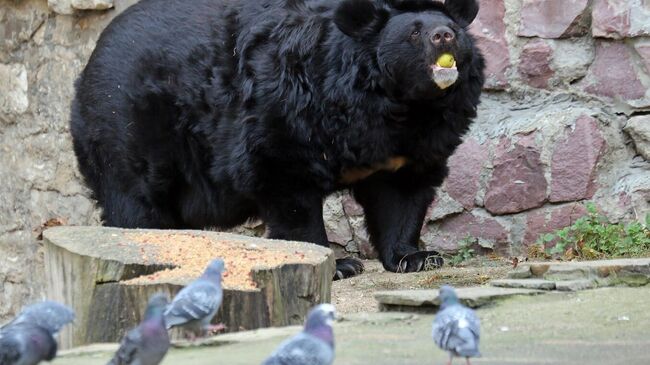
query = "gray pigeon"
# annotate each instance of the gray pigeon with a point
(147, 344)
(48, 314)
(196, 304)
(29, 338)
(456, 328)
(313, 346)
(26, 344)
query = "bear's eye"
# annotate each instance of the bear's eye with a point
(415, 34)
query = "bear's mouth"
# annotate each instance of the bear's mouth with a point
(444, 77)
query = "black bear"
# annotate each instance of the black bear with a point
(206, 113)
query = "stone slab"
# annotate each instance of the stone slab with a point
(427, 301)
(575, 285)
(538, 284)
(613, 271)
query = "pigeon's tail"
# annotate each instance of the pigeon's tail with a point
(469, 345)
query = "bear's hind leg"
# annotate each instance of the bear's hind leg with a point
(298, 217)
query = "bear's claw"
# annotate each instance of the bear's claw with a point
(347, 268)
(420, 261)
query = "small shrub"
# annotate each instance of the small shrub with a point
(594, 236)
(465, 251)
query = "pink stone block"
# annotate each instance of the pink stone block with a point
(465, 167)
(553, 18)
(548, 220)
(489, 30)
(612, 73)
(517, 182)
(574, 162)
(534, 65)
(610, 18)
(461, 226)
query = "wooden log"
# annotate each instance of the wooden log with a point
(107, 275)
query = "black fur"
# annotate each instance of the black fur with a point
(205, 113)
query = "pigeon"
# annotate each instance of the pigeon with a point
(50, 315)
(29, 338)
(456, 328)
(26, 344)
(313, 346)
(146, 344)
(196, 304)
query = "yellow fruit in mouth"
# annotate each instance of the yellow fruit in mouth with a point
(446, 60)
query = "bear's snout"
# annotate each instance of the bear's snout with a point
(442, 35)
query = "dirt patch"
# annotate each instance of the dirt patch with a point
(357, 294)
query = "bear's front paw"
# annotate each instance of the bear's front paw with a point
(419, 261)
(347, 268)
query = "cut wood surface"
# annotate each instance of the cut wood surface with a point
(107, 275)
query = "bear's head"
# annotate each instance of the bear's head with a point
(408, 38)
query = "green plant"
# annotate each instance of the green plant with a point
(594, 236)
(465, 251)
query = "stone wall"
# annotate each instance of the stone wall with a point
(562, 122)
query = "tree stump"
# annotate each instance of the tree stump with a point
(107, 275)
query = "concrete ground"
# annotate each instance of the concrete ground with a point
(600, 326)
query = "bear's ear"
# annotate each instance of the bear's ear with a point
(463, 11)
(360, 19)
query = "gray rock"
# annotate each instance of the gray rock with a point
(639, 129)
(68, 7)
(521, 272)
(13, 89)
(443, 206)
(92, 4)
(336, 223)
(61, 6)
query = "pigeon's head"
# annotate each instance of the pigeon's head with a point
(319, 322)
(215, 268)
(321, 315)
(447, 295)
(156, 306)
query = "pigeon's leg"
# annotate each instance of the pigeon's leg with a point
(467, 361)
(215, 328)
(451, 357)
(296, 216)
(395, 205)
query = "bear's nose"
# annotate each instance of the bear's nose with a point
(441, 35)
